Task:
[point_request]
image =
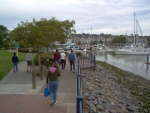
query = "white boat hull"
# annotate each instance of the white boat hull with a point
(124, 52)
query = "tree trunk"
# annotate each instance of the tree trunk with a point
(39, 60)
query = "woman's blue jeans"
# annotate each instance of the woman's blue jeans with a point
(53, 86)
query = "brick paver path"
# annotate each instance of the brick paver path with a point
(28, 104)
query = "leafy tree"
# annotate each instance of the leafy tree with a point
(119, 39)
(42, 33)
(67, 26)
(3, 34)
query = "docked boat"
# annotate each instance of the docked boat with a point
(101, 47)
(136, 48)
(131, 50)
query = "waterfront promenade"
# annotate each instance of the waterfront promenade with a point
(18, 96)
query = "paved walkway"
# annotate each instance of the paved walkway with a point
(18, 96)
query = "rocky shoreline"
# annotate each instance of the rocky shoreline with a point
(108, 89)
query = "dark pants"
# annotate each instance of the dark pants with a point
(63, 63)
(72, 65)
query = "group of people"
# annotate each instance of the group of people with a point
(29, 59)
(60, 58)
(53, 72)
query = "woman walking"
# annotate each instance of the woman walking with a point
(52, 82)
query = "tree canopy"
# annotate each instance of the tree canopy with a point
(3, 34)
(42, 33)
(119, 39)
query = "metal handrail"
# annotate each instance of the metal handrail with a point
(79, 103)
(91, 57)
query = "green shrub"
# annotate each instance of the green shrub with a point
(43, 57)
(26, 50)
(6, 45)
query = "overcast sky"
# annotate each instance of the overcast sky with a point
(91, 16)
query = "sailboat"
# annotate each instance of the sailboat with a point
(134, 49)
(131, 50)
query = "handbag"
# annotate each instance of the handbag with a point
(46, 92)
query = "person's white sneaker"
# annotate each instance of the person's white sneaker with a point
(51, 103)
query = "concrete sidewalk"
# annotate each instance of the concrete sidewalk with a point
(19, 87)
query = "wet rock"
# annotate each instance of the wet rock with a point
(104, 93)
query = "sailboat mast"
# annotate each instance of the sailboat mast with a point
(137, 38)
(134, 27)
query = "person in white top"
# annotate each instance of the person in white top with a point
(63, 60)
(29, 59)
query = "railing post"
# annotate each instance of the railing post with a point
(78, 109)
(147, 62)
(81, 59)
(33, 80)
(78, 84)
(79, 66)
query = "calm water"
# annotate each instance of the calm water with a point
(132, 63)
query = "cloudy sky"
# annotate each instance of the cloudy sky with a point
(91, 16)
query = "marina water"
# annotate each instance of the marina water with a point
(132, 63)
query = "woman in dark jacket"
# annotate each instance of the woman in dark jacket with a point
(52, 82)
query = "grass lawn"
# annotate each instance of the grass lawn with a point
(6, 62)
